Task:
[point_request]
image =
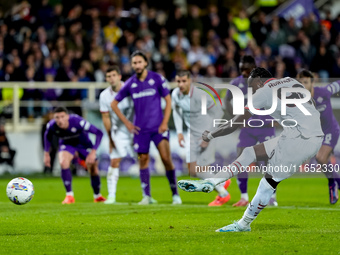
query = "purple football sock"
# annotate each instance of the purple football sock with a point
(336, 177)
(66, 176)
(171, 175)
(242, 180)
(145, 181)
(95, 183)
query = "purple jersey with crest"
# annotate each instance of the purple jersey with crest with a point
(250, 136)
(146, 96)
(330, 126)
(76, 135)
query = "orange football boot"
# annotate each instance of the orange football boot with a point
(219, 201)
(69, 200)
(99, 199)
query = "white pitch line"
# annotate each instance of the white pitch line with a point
(206, 206)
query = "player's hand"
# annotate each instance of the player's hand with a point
(205, 136)
(162, 128)
(132, 128)
(204, 144)
(91, 158)
(47, 159)
(181, 140)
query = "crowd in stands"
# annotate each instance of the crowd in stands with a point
(41, 41)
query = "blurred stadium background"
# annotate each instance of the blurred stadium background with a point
(56, 53)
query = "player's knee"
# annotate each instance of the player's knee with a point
(322, 159)
(115, 162)
(143, 160)
(64, 163)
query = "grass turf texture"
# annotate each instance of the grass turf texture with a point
(305, 223)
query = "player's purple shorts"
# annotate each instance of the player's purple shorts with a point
(141, 142)
(331, 137)
(250, 136)
(83, 151)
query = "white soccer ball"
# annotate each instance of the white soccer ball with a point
(20, 190)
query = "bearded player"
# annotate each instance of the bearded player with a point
(146, 88)
(300, 140)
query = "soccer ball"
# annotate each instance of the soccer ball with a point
(20, 190)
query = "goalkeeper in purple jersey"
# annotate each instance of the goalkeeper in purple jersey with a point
(73, 131)
(146, 89)
(330, 127)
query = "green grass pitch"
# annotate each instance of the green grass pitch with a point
(304, 222)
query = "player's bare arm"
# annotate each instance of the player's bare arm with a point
(107, 124)
(227, 128)
(47, 159)
(164, 125)
(132, 128)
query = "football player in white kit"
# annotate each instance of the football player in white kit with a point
(300, 140)
(120, 138)
(186, 104)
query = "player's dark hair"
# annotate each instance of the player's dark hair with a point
(113, 68)
(304, 73)
(248, 59)
(60, 109)
(261, 73)
(139, 53)
(182, 73)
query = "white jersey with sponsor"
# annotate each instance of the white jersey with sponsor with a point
(126, 107)
(307, 125)
(188, 107)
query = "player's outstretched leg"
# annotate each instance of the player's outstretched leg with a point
(196, 185)
(247, 157)
(263, 194)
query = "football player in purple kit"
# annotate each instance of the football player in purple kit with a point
(72, 131)
(330, 127)
(146, 89)
(249, 136)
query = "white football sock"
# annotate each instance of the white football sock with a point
(112, 180)
(274, 195)
(245, 196)
(70, 193)
(247, 157)
(260, 201)
(222, 192)
(95, 196)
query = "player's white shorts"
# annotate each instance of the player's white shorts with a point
(124, 145)
(195, 153)
(288, 151)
